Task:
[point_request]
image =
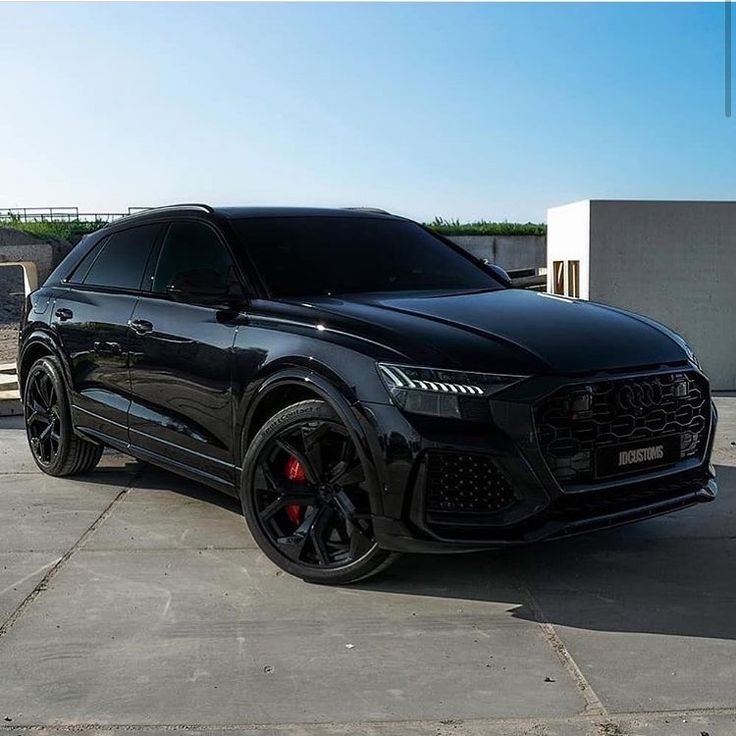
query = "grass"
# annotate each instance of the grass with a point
(484, 227)
(62, 229)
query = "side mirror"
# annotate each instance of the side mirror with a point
(203, 286)
(500, 274)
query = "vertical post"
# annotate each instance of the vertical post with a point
(30, 276)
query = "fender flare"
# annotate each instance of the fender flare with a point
(45, 337)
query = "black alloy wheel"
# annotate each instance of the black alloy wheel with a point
(42, 418)
(56, 449)
(306, 498)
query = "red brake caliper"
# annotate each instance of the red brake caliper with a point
(295, 473)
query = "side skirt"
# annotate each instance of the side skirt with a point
(159, 460)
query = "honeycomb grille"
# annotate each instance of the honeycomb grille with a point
(574, 421)
(466, 483)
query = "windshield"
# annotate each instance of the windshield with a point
(307, 256)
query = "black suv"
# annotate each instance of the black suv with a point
(364, 386)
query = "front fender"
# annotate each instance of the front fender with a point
(341, 397)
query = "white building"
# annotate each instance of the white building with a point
(672, 261)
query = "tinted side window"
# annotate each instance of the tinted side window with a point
(82, 268)
(123, 258)
(192, 246)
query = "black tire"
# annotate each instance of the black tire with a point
(56, 449)
(305, 497)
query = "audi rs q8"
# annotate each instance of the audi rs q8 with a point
(363, 385)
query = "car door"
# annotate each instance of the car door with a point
(181, 363)
(91, 321)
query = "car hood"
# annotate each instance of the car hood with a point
(544, 332)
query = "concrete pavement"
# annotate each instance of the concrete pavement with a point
(134, 601)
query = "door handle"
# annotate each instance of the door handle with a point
(141, 326)
(64, 314)
(108, 348)
(175, 340)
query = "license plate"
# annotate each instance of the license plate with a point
(632, 457)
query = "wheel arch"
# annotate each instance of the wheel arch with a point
(291, 384)
(39, 344)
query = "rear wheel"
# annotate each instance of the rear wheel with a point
(306, 500)
(55, 448)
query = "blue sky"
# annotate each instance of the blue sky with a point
(473, 111)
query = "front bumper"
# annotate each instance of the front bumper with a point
(543, 509)
(400, 536)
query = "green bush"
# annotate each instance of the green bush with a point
(62, 229)
(67, 229)
(484, 227)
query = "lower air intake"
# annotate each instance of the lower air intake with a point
(465, 483)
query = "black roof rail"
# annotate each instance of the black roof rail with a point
(374, 210)
(151, 210)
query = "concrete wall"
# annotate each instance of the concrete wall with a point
(512, 252)
(673, 261)
(38, 258)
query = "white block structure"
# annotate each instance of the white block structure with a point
(670, 260)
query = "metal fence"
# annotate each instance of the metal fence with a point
(61, 214)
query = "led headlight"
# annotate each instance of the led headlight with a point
(439, 392)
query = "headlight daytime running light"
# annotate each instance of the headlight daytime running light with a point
(398, 376)
(439, 392)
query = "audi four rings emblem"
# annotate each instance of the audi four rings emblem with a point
(638, 396)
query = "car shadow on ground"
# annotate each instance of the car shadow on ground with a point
(118, 469)
(674, 575)
(152, 478)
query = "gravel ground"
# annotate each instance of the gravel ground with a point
(11, 286)
(8, 343)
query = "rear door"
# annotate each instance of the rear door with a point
(91, 320)
(181, 363)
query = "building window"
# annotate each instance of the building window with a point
(573, 279)
(558, 277)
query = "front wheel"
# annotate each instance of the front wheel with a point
(305, 497)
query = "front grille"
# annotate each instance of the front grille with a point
(465, 483)
(574, 421)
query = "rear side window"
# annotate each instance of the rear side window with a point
(192, 246)
(82, 268)
(123, 258)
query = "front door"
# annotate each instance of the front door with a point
(181, 362)
(91, 320)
